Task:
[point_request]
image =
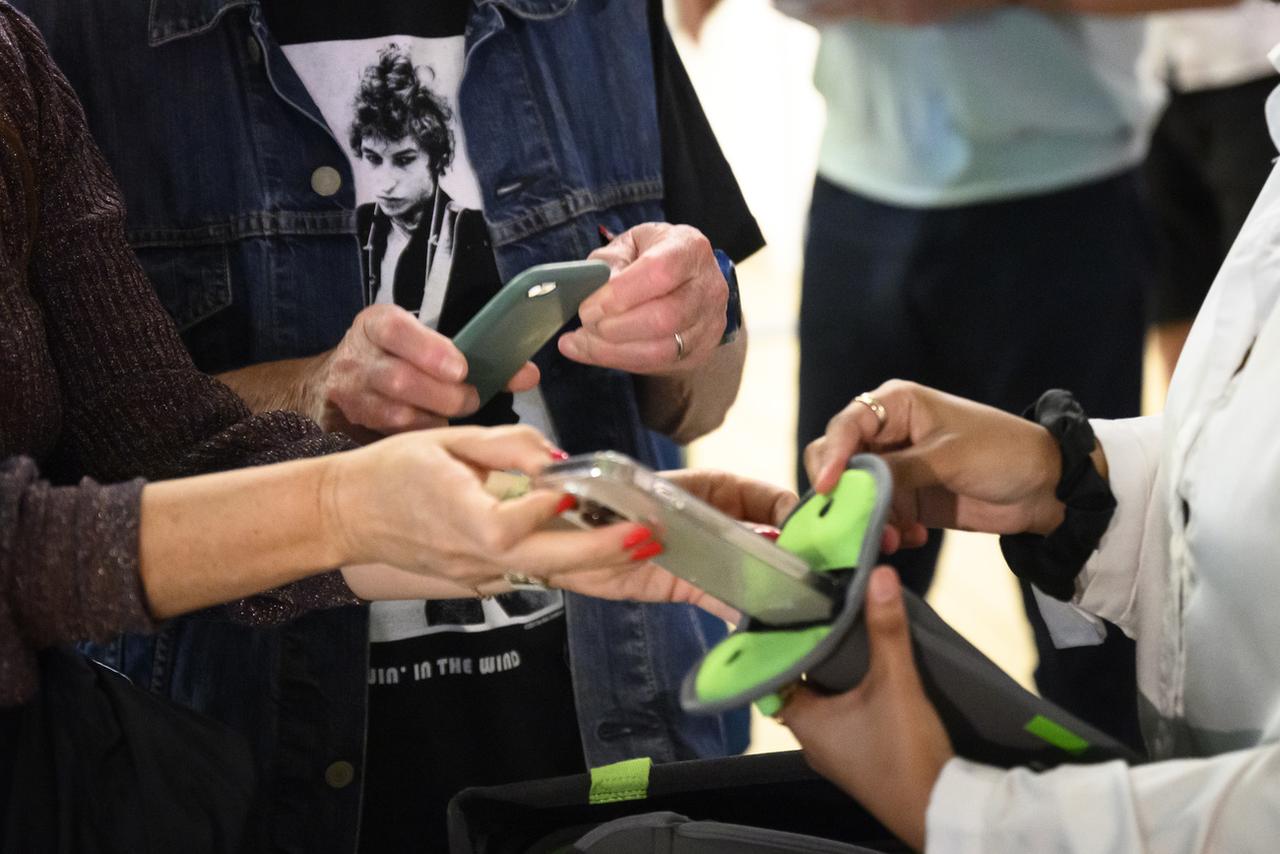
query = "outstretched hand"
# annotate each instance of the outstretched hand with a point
(955, 463)
(883, 742)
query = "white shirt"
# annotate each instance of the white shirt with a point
(1208, 48)
(1189, 567)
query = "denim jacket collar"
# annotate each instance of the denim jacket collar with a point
(175, 19)
(170, 20)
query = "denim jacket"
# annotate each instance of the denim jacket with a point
(242, 209)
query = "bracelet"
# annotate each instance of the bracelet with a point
(1052, 562)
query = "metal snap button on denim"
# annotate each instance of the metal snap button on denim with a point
(340, 774)
(326, 181)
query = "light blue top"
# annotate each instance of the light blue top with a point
(986, 106)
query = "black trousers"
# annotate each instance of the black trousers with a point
(995, 302)
(1210, 155)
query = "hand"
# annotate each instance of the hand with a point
(882, 742)
(665, 281)
(908, 13)
(417, 502)
(745, 499)
(955, 463)
(390, 374)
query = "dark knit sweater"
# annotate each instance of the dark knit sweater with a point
(94, 383)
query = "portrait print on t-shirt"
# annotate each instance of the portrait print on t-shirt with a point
(424, 243)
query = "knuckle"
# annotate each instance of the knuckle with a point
(397, 418)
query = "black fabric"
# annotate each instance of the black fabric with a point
(700, 188)
(98, 766)
(306, 21)
(774, 790)
(468, 709)
(1210, 155)
(672, 833)
(1052, 562)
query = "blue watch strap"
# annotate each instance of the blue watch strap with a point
(733, 310)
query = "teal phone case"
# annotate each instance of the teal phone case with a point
(522, 317)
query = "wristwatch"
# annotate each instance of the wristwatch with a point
(733, 310)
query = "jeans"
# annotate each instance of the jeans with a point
(995, 302)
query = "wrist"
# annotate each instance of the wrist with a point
(337, 504)
(1048, 510)
(313, 390)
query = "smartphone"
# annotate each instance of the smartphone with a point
(705, 547)
(522, 317)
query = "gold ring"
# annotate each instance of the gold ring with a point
(679, 346)
(875, 406)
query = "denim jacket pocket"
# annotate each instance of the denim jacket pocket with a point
(193, 282)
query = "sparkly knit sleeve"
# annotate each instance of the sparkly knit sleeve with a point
(133, 404)
(68, 568)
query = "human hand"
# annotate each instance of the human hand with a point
(882, 742)
(666, 293)
(908, 13)
(390, 374)
(955, 463)
(417, 501)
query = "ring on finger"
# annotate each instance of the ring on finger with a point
(679, 346)
(876, 407)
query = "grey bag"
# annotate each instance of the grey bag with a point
(672, 833)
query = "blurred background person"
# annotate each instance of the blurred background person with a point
(1211, 152)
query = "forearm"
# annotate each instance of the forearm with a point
(287, 384)
(221, 537)
(376, 582)
(687, 406)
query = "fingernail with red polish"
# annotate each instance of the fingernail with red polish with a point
(559, 455)
(568, 502)
(647, 551)
(636, 537)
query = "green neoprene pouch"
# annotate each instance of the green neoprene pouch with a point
(836, 531)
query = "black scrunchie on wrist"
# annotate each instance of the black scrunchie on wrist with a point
(1052, 562)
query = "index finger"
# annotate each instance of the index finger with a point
(658, 270)
(401, 335)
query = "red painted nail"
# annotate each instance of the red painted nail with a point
(767, 531)
(647, 551)
(559, 455)
(568, 502)
(637, 536)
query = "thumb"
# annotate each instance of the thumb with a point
(887, 630)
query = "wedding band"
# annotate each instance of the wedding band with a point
(875, 406)
(519, 579)
(679, 346)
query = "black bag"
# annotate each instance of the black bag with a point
(670, 833)
(101, 767)
(771, 792)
